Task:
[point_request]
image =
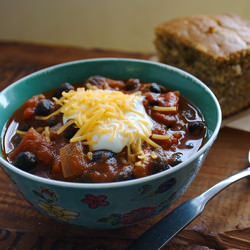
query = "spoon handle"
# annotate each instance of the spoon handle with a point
(163, 231)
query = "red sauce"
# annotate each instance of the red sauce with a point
(33, 152)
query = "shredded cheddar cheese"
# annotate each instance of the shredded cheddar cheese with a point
(166, 109)
(20, 132)
(160, 137)
(46, 133)
(49, 116)
(97, 112)
(90, 155)
(154, 155)
(138, 163)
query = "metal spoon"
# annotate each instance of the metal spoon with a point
(163, 231)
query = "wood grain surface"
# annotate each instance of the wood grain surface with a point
(224, 224)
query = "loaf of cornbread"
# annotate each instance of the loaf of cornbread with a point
(216, 49)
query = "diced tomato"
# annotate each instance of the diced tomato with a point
(101, 172)
(169, 99)
(36, 144)
(30, 105)
(115, 84)
(72, 159)
(159, 129)
(32, 102)
(174, 140)
(164, 118)
(152, 98)
(56, 168)
(28, 113)
(141, 171)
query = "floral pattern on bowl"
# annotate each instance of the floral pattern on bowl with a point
(47, 204)
(95, 201)
(134, 216)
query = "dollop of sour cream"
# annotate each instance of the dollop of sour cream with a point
(142, 126)
(106, 119)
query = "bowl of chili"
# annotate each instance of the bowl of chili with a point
(106, 143)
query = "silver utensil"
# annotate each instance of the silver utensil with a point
(163, 231)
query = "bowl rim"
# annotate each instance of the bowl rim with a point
(125, 183)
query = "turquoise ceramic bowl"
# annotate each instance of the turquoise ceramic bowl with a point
(109, 205)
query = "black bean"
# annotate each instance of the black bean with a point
(154, 88)
(25, 161)
(154, 103)
(196, 128)
(159, 165)
(96, 80)
(132, 85)
(70, 131)
(17, 139)
(64, 87)
(176, 159)
(52, 121)
(189, 145)
(102, 155)
(44, 107)
(25, 127)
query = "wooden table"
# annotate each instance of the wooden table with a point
(225, 222)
